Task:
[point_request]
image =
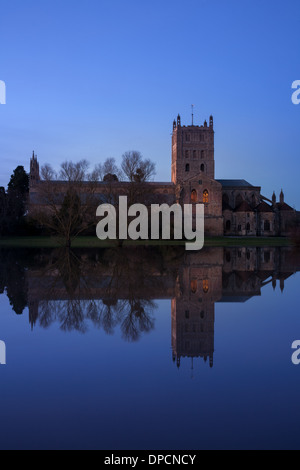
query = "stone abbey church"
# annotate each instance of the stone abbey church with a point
(232, 207)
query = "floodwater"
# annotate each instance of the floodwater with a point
(149, 348)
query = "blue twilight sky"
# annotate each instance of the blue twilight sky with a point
(92, 79)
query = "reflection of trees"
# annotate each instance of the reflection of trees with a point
(136, 317)
(13, 278)
(69, 314)
(72, 282)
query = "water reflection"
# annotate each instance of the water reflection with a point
(108, 288)
(117, 288)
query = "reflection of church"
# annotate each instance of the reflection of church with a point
(221, 275)
(193, 281)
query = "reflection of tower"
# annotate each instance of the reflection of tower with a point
(33, 312)
(192, 330)
(193, 311)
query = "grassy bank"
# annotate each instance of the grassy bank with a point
(94, 242)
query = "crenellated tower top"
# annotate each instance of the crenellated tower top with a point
(192, 150)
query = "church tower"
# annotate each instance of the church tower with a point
(34, 170)
(192, 150)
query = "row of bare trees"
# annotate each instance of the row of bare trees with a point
(65, 200)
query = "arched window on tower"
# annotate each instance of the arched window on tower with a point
(187, 167)
(205, 196)
(194, 286)
(205, 286)
(194, 196)
(202, 167)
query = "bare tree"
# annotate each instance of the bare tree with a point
(110, 168)
(137, 172)
(74, 172)
(136, 169)
(67, 200)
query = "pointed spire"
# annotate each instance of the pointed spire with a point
(34, 170)
(281, 197)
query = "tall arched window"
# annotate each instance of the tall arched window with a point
(194, 286)
(205, 196)
(187, 167)
(194, 196)
(205, 286)
(202, 167)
